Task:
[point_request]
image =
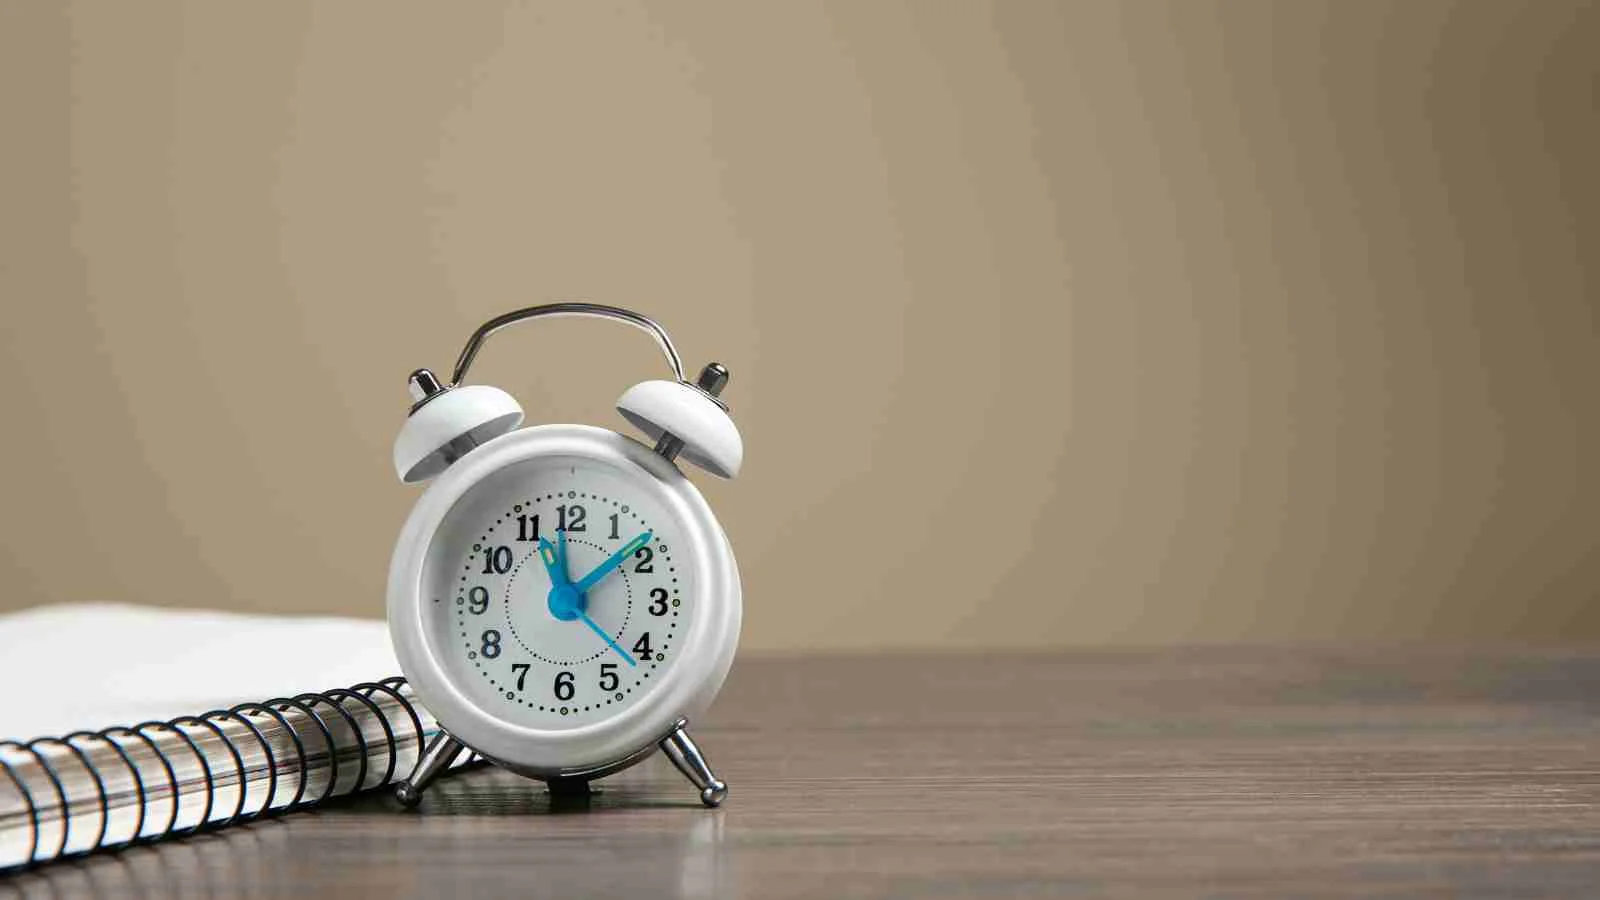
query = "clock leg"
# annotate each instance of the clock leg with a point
(681, 749)
(435, 759)
(568, 787)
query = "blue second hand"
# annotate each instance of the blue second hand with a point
(607, 638)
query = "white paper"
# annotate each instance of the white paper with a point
(64, 668)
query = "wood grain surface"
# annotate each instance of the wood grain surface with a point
(1217, 773)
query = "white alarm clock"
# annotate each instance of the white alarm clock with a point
(561, 598)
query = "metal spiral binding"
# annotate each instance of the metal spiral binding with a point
(333, 740)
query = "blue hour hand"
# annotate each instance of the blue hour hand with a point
(555, 560)
(564, 601)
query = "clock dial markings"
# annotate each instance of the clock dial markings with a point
(536, 640)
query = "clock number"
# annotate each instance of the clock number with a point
(491, 644)
(608, 677)
(522, 676)
(478, 600)
(644, 555)
(641, 647)
(527, 528)
(658, 601)
(614, 534)
(496, 560)
(572, 517)
(564, 688)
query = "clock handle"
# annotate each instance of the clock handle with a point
(682, 417)
(590, 310)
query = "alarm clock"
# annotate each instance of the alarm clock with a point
(561, 597)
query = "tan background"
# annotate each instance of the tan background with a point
(1048, 324)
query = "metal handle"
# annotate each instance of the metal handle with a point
(590, 310)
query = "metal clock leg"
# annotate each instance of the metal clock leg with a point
(440, 752)
(681, 749)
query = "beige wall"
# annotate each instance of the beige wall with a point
(1049, 324)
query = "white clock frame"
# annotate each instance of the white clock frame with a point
(464, 434)
(686, 687)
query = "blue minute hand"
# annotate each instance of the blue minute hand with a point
(590, 580)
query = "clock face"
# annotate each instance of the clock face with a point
(555, 591)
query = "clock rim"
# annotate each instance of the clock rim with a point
(684, 690)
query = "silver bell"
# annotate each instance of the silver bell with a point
(447, 423)
(687, 419)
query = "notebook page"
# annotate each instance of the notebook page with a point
(77, 666)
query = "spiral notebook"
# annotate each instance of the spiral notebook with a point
(216, 723)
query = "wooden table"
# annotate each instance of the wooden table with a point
(1221, 773)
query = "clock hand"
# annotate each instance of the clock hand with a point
(555, 561)
(590, 580)
(595, 627)
(564, 601)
